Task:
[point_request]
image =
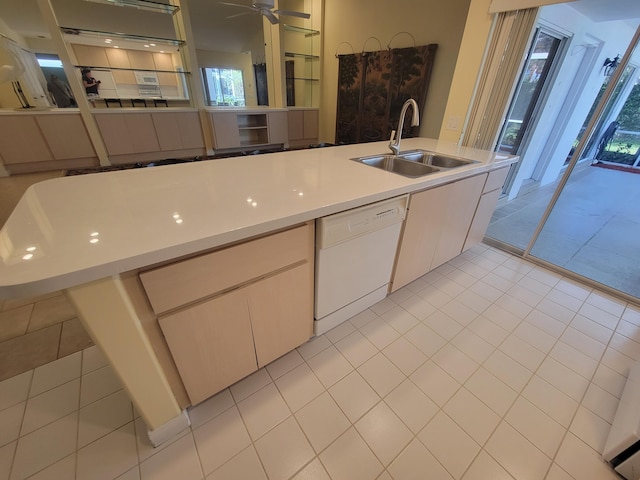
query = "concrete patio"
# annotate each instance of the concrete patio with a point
(592, 231)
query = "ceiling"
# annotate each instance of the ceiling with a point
(608, 10)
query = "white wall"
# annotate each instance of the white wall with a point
(427, 21)
(547, 145)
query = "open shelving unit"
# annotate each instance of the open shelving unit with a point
(302, 46)
(253, 129)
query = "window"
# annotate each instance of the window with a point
(224, 86)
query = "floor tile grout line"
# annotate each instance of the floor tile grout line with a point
(568, 429)
(449, 342)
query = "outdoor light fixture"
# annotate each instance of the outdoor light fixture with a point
(610, 65)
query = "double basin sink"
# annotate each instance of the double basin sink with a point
(414, 163)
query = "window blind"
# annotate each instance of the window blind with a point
(510, 38)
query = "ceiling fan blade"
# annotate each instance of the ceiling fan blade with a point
(270, 16)
(237, 5)
(239, 14)
(289, 13)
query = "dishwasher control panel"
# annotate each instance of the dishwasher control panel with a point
(360, 221)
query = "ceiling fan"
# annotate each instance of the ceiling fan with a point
(266, 8)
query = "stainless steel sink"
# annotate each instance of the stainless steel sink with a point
(414, 163)
(398, 165)
(435, 159)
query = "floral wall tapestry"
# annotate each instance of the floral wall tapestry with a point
(372, 86)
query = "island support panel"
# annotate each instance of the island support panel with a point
(109, 314)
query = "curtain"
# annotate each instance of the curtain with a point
(372, 86)
(507, 48)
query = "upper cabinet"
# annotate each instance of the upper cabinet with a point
(143, 67)
(136, 52)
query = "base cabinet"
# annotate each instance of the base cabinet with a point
(486, 206)
(436, 228)
(303, 127)
(226, 313)
(40, 142)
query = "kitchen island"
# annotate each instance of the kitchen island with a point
(93, 234)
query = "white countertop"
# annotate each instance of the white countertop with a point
(72, 230)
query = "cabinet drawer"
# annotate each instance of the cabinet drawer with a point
(496, 179)
(184, 282)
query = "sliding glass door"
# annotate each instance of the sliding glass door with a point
(593, 229)
(587, 222)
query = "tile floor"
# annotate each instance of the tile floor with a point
(34, 331)
(487, 368)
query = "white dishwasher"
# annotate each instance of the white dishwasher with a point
(355, 252)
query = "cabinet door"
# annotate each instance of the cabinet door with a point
(421, 234)
(486, 206)
(278, 127)
(211, 344)
(128, 133)
(296, 124)
(21, 141)
(124, 77)
(482, 218)
(66, 136)
(118, 58)
(163, 61)
(462, 200)
(281, 309)
(311, 124)
(89, 55)
(141, 60)
(225, 129)
(178, 131)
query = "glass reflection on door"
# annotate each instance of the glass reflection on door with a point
(530, 88)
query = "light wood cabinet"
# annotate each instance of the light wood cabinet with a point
(211, 344)
(118, 58)
(162, 61)
(486, 206)
(229, 312)
(178, 131)
(278, 306)
(141, 60)
(436, 227)
(303, 127)
(90, 56)
(225, 129)
(66, 136)
(128, 133)
(30, 143)
(21, 140)
(278, 127)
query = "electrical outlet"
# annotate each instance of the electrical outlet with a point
(453, 123)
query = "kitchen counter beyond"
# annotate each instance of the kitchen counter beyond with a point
(72, 230)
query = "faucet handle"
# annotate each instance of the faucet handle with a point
(393, 136)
